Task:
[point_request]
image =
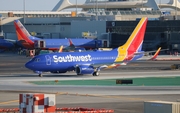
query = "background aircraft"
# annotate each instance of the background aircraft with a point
(72, 47)
(32, 42)
(89, 62)
(5, 45)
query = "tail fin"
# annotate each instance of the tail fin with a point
(23, 34)
(60, 49)
(156, 54)
(134, 43)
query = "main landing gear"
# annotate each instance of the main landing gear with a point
(96, 73)
(40, 75)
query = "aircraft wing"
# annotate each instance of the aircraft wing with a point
(144, 58)
(147, 52)
(115, 65)
(105, 66)
(10, 40)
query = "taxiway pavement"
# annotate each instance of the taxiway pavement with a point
(123, 99)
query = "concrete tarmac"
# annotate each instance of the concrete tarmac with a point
(123, 99)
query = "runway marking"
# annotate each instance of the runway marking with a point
(104, 96)
(8, 102)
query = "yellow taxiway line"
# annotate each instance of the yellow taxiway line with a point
(8, 102)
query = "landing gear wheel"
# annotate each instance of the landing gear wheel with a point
(40, 75)
(96, 74)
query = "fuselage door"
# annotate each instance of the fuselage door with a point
(48, 60)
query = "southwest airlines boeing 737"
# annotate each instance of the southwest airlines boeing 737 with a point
(90, 62)
(4, 44)
(30, 42)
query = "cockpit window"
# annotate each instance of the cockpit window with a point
(37, 60)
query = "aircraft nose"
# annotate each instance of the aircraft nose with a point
(29, 65)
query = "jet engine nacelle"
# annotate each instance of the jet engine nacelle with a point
(84, 69)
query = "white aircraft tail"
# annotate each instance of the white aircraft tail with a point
(61, 5)
(153, 4)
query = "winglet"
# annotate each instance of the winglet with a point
(70, 42)
(156, 54)
(60, 49)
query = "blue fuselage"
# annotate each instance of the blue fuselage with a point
(4, 44)
(78, 42)
(68, 61)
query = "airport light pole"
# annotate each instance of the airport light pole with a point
(96, 10)
(105, 5)
(76, 8)
(24, 10)
(94, 5)
(1, 30)
(176, 10)
(142, 4)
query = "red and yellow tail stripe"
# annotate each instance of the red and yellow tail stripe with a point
(133, 43)
(23, 35)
